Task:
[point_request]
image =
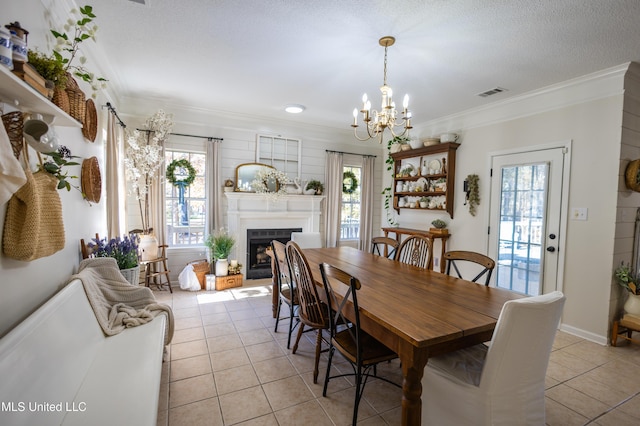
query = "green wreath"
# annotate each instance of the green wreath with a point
(183, 164)
(352, 184)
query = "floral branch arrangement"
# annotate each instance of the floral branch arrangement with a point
(80, 29)
(124, 250)
(60, 159)
(144, 156)
(387, 191)
(267, 176)
(627, 278)
(472, 189)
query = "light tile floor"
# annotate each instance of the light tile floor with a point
(227, 367)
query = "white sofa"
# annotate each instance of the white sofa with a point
(57, 367)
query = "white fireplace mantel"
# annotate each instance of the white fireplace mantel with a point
(247, 210)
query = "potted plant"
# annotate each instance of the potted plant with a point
(220, 244)
(317, 185)
(439, 227)
(50, 69)
(424, 202)
(124, 250)
(628, 279)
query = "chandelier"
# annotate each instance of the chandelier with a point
(377, 121)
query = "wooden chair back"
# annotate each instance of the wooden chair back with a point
(416, 250)
(312, 311)
(86, 249)
(282, 270)
(485, 262)
(381, 244)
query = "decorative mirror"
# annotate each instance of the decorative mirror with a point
(246, 173)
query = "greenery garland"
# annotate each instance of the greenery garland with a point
(473, 193)
(184, 164)
(353, 182)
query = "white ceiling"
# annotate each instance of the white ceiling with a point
(254, 57)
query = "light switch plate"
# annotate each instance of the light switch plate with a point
(579, 213)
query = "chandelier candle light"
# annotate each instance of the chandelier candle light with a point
(377, 121)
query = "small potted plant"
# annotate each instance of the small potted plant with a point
(439, 227)
(315, 185)
(220, 244)
(424, 202)
(124, 250)
(629, 280)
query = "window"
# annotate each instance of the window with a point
(186, 214)
(350, 217)
(281, 153)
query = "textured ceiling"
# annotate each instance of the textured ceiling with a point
(254, 57)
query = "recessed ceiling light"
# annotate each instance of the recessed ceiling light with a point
(294, 108)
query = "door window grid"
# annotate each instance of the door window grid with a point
(522, 208)
(350, 215)
(282, 153)
(186, 221)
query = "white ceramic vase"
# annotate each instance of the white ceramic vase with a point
(222, 267)
(148, 247)
(632, 305)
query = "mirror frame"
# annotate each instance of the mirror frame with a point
(248, 172)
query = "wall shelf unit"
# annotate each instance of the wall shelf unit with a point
(427, 172)
(20, 95)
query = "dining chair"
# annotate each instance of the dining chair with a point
(415, 250)
(286, 289)
(380, 244)
(307, 239)
(451, 257)
(312, 311)
(86, 249)
(502, 384)
(362, 350)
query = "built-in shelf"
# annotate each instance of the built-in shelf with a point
(19, 94)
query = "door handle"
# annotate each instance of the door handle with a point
(552, 236)
(551, 249)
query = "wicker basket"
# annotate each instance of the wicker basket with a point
(61, 99)
(77, 105)
(13, 123)
(132, 275)
(201, 268)
(631, 175)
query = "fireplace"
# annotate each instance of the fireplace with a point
(258, 262)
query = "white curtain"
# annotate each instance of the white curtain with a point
(114, 176)
(333, 204)
(366, 202)
(213, 188)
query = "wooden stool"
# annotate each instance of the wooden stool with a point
(628, 324)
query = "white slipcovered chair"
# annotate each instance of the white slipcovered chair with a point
(502, 384)
(307, 239)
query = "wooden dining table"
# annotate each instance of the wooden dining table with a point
(417, 313)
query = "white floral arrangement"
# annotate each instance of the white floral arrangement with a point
(144, 155)
(260, 184)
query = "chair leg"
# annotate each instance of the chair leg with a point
(318, 348)
(295, 346)
(359, 391)
(326, 377)
(275, 330)
(291, 314)
(614, 333)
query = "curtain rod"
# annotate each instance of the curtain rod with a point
(209, 138)
(112, 110)
(351, 153)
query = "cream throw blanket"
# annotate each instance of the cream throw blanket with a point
(116, 303)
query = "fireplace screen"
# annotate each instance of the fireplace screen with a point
(258, 241)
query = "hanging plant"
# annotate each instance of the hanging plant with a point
(387, 192)
(349, 182)
(473, 193)
(181, 165)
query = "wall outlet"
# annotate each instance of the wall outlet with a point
(579, 213)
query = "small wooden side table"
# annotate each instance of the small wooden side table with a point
(624, 327)
(429, 235)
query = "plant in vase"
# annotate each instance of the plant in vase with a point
(439, 227)
(424, 202)
(220, 244)
(124, 250)
(628, 279)
(315, 185)
(144, 156)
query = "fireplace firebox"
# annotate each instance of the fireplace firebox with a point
(258, 240)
